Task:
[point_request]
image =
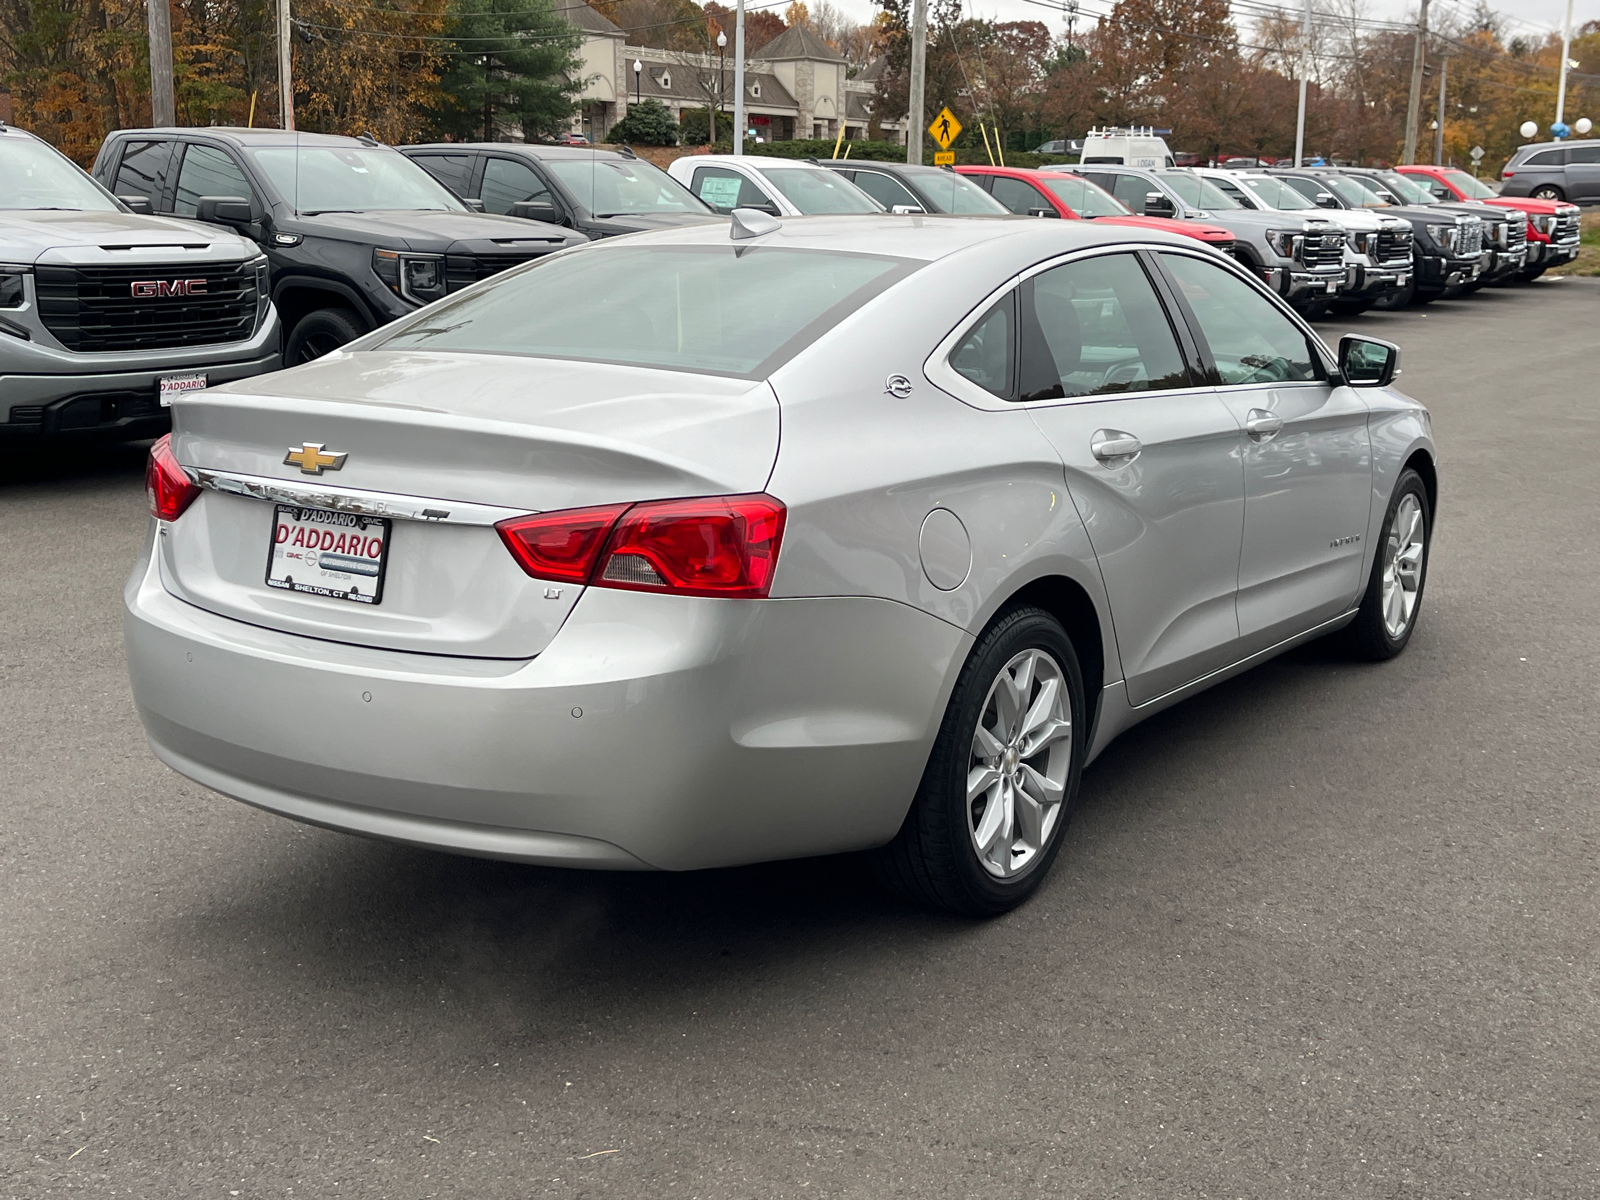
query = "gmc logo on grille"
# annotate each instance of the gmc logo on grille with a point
(143, 289)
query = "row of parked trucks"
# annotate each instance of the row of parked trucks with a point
(195, 256)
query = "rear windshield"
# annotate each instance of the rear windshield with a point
(1083, 198)
(724, 310)
(818, 192)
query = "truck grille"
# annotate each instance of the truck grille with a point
(1394, 247)
(1471, 238)
(1567, 228)
(1323, 250)
(464, 270)
(95, 309)
(1510, 235)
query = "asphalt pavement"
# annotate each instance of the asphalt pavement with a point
(1329, 930)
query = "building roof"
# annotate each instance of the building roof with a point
(586, 18)
(798, 42)
(680, 82)
(872, 71)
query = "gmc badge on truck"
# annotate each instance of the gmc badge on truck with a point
(143, 289)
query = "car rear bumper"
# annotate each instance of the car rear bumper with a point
(653, 731)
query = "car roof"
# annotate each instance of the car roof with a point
(756, 162)
(530, 150)
(240, 136)
(892, 168)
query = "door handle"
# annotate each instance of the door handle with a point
(1108, 444)
(1261, 425)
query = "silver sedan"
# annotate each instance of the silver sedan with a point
(790, 537)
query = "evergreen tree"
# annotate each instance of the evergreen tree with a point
(511, 58)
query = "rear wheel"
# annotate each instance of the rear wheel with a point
(319, 332)
(999, 787)
(1548, 191)
(1393, 599)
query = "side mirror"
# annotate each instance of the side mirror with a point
(138, 204)
(1044, 212)
(902, 209)
(473, 203)
(1368, 362)
(1156, 204)
(233, 211)
(1327, 200)
(537, 210)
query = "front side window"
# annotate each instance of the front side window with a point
(37, 176)
(722, 309)
(1083, 198)
(506, 183)
(1197, 192)
(1359, 194)
(726, 190)
(207, 171)
(817, 191)
(319, 179)
(1273, 194)
(1132, 190)
(1408, 189)
(1017, 196)
(143, 168)
(985, 355)
(622, 187)
(1094, 328)
(885, 189)
(1250, 339)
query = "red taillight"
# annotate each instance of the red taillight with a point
(1507, 174)
(560, 545)
(712, 546)
(167, 484)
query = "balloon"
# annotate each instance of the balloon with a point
(1583, 126)
(1528, 129)
(1560, 129)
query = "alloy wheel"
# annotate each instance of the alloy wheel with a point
(1020, 761)
(1402, 566)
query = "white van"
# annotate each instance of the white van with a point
(1125, 148)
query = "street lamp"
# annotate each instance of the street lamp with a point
(637, 68)
(722, 42)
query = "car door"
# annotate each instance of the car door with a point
(725, 189)
(1583, 172)
(1152, 458)
(209, 171)
(507, 181)
(1306, 454)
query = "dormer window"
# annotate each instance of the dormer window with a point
(755, 90)
(666, 79)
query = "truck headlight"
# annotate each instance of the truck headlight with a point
(418, 278)
(1285, 242)
(1543, 222)
(1358, 241)
(1447, 236)
(13, 292)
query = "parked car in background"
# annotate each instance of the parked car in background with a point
(1063, 146)
(782, 187)
(1301, 257)
(873, 544)
(599, 193)
(1377, 248)
(903, 187)
(105, 313)
(1447, 250)
(1554, 171)
(355, 233)
(1505, 231)
(1060, 193)
(1554, 226)
(1132, 147)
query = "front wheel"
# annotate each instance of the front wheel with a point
(1000, 783)
(1393, 599)
(320, 332)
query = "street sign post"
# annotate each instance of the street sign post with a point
(945, 129)
(1477, 154)
(944, 158)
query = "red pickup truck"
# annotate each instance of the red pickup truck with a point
(1552, 224)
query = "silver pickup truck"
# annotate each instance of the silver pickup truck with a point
(105, 313)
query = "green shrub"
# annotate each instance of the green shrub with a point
(648, 123)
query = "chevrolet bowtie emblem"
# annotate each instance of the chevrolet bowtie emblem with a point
(312, 459)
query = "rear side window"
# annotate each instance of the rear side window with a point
(986, 354)
(143, 170)
(1250, 339)
(207, 171)
(885, 189)
(726, 190)
(1546, 158)
(1094, 328)
(452, 170)
(726, 310)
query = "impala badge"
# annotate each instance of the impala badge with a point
(312, 459)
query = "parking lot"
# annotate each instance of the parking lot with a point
(1327, 931)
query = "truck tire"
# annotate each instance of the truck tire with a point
(320, 331)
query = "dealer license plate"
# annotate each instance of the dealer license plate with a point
(168, 386)
(334, 554)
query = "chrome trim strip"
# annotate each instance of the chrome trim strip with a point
(353, 500)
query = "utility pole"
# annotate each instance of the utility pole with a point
(1438, 145)
(738, 78)
(1305, 69)
(285, 68)
(163, 108)
(1414, 106)
(919, 72)
(1566, 57)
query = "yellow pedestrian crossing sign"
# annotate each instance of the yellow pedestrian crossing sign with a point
(945, 128)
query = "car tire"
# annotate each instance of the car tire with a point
(1393, 599)
(1547, 191)
(320, 331)
(936, 858)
